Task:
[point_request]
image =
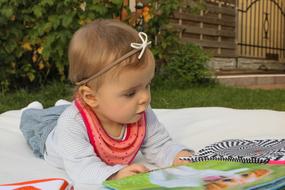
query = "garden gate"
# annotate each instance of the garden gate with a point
(260, 29)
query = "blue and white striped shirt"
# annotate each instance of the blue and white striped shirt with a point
(68, 148)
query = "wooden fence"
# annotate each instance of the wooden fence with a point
(237, 28)
(214, 29)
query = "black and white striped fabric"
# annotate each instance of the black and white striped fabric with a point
(246, 151)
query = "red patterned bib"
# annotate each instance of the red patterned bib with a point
(110, 150)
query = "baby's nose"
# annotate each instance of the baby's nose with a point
(145, 98)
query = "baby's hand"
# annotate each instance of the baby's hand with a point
(129, 171)
(183, 153)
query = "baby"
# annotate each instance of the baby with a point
(99, 134)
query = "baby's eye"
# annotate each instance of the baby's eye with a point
(130, 94)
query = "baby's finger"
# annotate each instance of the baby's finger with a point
(139, 168)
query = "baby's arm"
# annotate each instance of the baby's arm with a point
(129, 171)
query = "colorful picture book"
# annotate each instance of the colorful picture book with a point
(230, 164)
(207, 175)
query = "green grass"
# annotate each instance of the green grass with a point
(46, 95)
(214, 95)
(219, 96)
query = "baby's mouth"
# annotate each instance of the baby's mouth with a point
(140, 113)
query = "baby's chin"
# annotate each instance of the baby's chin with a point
(135, 119)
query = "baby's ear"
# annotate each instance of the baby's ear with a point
(88, 95)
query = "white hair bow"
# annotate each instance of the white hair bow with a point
(143, 45)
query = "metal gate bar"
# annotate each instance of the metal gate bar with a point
(261, 29)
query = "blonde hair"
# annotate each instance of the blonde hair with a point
(100, 43)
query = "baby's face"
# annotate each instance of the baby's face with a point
(122, 99)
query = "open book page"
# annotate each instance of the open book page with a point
(207, 175)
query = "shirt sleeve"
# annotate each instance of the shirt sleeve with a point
(80, 161)
(158, 147)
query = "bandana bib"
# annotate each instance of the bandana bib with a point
(110, 150)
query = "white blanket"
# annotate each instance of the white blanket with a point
(194, 127)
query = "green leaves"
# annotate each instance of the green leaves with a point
(186, 66)
(6, 11)
(54, 20)
(11, 46)
(67, 20)
(29, 72)
(47, 2)
(117, 2)
(37, 10)
(35, 36)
